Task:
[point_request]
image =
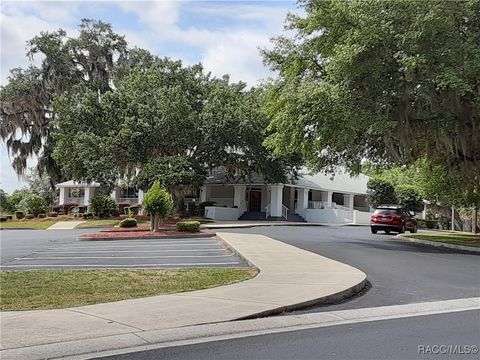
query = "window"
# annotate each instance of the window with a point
(386, 211)
(76, 192)
(129, 193)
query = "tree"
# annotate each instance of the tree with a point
(27, 113)
(103, 205)
(158, 202)
(380, 192)
(35, 204)
(388, 81)
(18, 199)
(409, 198)
(5, 205)
(40, 184)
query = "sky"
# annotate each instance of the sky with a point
(225, 36)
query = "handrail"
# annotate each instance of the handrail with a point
(268, 211)
(284, 212)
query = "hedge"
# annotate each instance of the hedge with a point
(188, 226)
(128, 222)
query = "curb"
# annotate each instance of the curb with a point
(440, 244)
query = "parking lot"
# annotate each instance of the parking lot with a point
(64, 252)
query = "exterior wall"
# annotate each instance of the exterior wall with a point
(328, 216)
(221, 213)
(361, 217)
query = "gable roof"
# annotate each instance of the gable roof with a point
(76, 184)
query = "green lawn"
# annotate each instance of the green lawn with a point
(456, 238)
(27, 224)
(103, 223)
(54, 289)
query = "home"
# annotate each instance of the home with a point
(310, 197)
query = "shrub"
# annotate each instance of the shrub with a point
(87, 215)
(53, 214)
(29, 216)
(36, 204)
(188, 226)
(19, 214)
(64, 208)
(42, 216)
(158, 202)
(9, 217)
(3, 219)
(103, 205)
(128, 222)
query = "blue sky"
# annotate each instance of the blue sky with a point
(224, 35)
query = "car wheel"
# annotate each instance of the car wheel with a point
(402, 229)
(414, 229)
(387, 232)
(374, 231)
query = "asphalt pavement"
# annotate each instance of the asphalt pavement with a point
(40, 249)
(400, 272)
(445, 336)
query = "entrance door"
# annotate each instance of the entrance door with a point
(255, 203)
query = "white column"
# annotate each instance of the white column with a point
(140, 196)
(239, 198)
(302, 200)
(86, 196)
(61, 198)
(113, 195)
(348, 200)
(327, 198)
(276, 195)
(203, 194)
(453, 218)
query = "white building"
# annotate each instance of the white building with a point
(316, 198)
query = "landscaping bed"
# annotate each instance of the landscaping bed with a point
(453, 238)
(142, 228)
(55, 289)
(125, 235)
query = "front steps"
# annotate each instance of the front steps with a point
(260, 216)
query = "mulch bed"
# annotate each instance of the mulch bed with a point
(125, 235)
(144, 228)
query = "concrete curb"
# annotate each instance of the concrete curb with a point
(290, 278)
(440, 244)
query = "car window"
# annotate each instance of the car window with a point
(386, 211)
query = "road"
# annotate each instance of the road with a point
(400, 272)
(57, 249)
(404, 338)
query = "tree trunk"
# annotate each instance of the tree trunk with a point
(156, 223)
(152, 222)
(474, 220)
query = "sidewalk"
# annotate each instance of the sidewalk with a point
(289, 278)
(65, 225)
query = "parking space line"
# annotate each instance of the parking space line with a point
(139, 251)
(121, 257)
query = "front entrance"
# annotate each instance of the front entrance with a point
(255, 201)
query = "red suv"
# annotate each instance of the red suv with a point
(392, 218)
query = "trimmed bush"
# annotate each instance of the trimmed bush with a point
(188, 226)
(42, 216)
(3, 219)
(19, 214)
(36, 204)
(103, 205)
(9, 217)
(87, 215)
(29, 216)
(53, 214)
(128, 222)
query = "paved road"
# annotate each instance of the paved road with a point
(387, 339)
(400, 272)
(40, 249)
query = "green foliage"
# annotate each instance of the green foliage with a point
(128, 222)
(103, 205)
(388, 81)
(19, 215)
(380, 192)
(18, 198)
(157, 200)
(41, 184)
(188, 226)
(409, 198)
(5, 204)
(36, 204)
(88, 215)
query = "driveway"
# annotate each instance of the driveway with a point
(399, 272)
(40, 249)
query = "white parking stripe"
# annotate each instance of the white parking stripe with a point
(122, 257)
(134, 246)
(116, 266)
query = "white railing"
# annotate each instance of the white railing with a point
(284, 212)
(268, 211)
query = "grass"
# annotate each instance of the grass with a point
(27, 224)
(456, 238)
(100, 223)
(54, 289)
